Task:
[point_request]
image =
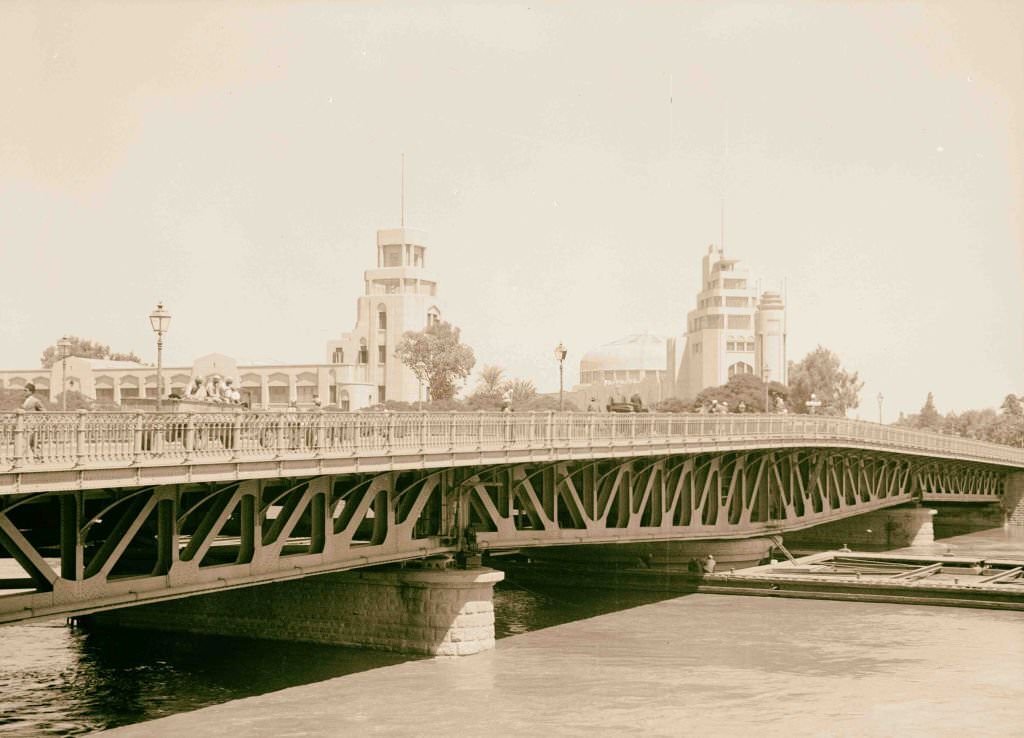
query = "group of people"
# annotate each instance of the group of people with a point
(214, 389)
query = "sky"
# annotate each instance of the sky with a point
(568, 161)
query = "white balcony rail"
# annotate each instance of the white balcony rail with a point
(83, 439)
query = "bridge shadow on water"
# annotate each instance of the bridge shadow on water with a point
(534, 597)
(74, 680)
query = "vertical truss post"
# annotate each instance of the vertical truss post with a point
(166, 536)
(72, 556)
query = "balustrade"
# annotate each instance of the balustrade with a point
(80, 439)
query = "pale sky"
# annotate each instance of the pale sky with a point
(567, 161)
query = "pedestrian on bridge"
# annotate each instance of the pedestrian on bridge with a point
(32, 404)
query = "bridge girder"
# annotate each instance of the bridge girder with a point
(89, 550)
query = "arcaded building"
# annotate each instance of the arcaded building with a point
(360, 368)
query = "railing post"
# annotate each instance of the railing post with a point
(390, 439)
(236, 433)
(280, 443)
(451, 430)
(423, 430)
(632, 428)
(551, 428)
(19, 439)
(137, 438)
(81, 452)
(188, 442)
(590, 429)
(480, 430)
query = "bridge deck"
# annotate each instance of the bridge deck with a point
(65, 451)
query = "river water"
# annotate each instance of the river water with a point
(568, 662)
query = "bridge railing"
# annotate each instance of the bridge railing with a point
(68, 440)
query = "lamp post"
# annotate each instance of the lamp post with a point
(881, 397)
(160, 320)
(766, 372)
(64, 345)
(813, 404)
(560, 352)
(420, 371)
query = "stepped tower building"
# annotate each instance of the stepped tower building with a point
(731, 331)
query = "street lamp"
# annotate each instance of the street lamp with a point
(160, 319)
(766, 372)
(560, 352)
(813, 404)
(880, 399)
(420, 370)
(64, 346)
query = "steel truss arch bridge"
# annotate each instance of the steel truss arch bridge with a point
(107, 510)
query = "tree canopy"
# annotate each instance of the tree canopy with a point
(86, 349)
(1005, 427)
(820, 373)
(743, 388)
(437, 357)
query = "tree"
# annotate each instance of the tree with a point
(929, 417)
(821, 374)
(86, 349)
(1012, 405)
(673, 405)
(521, 390)
(437, 358)
(490, 389)
(743, 388)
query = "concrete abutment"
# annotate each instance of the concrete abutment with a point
(435, 612)
(1013, 499)
(896, 527)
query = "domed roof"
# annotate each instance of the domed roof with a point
(641, 351)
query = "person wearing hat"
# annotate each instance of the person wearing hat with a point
(196, 390)
(231, 394)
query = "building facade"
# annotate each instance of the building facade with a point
(360, 369)
(731, 331)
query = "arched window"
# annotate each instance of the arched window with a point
(339, 356)
(382, 316)
(344, 402)
(433, 316)
(364, 353)
(740, 367)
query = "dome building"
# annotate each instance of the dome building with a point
(732, 330)
(636, 364)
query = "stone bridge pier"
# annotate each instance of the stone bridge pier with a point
(897, 527)
(435, 612)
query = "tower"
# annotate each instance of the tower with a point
(771, 338)
(720, 331)
(400, 295)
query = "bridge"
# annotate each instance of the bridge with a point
(104, 510)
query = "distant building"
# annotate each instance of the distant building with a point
(361, 368)
(730, 331)
(637, 364)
